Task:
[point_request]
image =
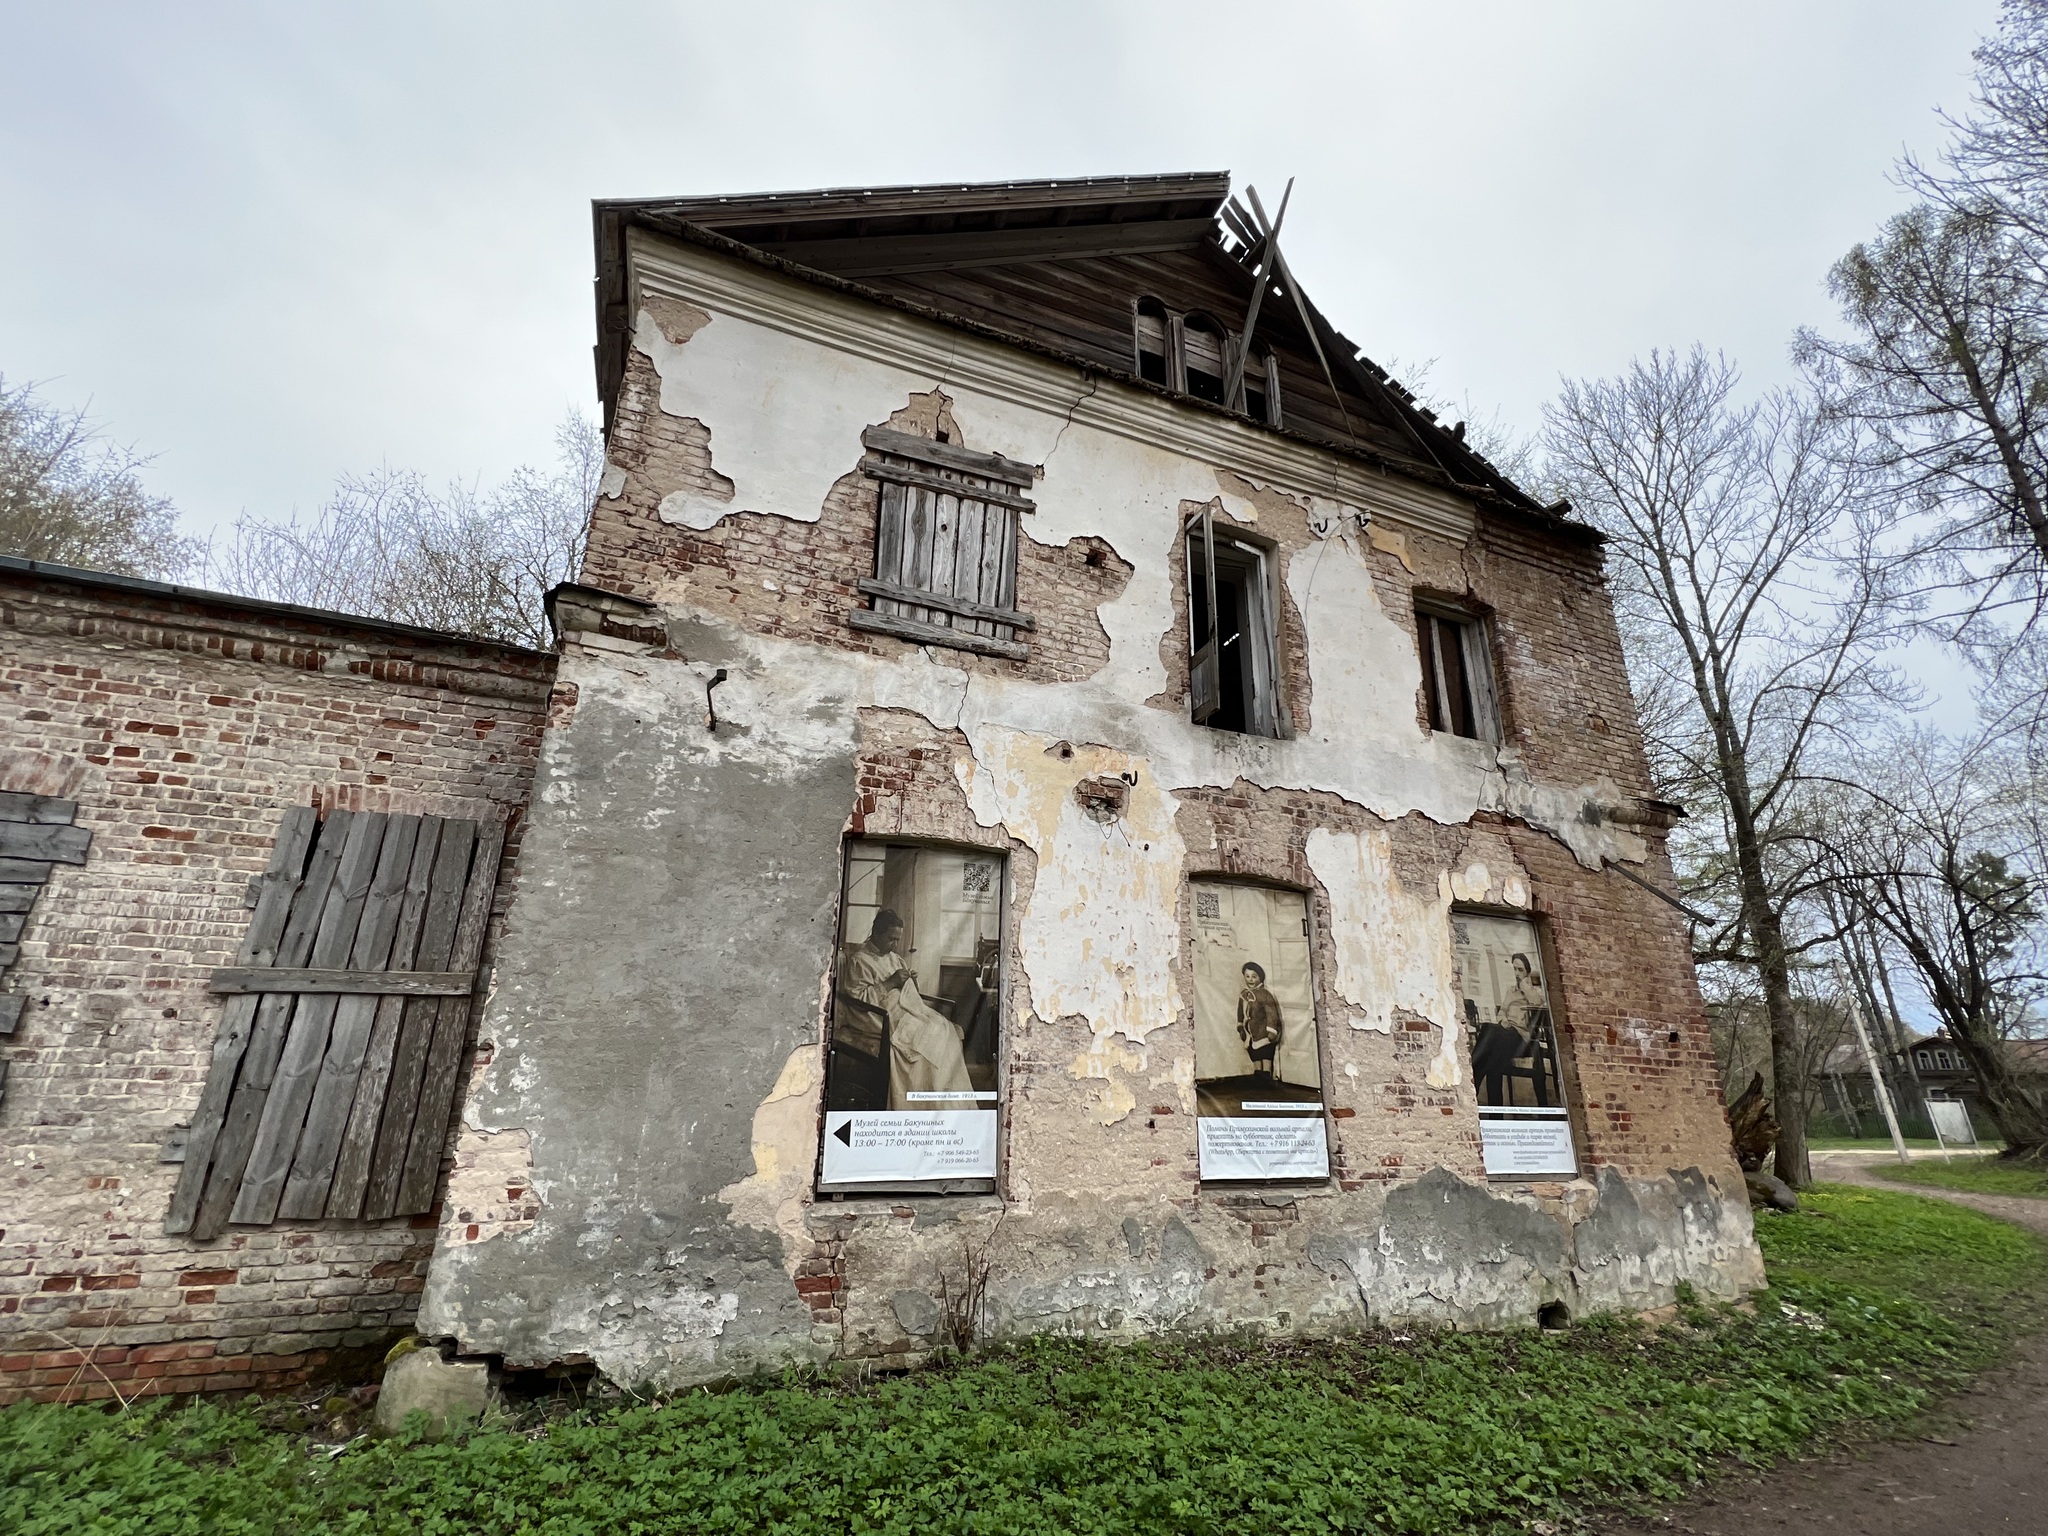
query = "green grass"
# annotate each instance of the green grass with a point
(1879, 1302)
(1978, 1175)
(1869, 1144)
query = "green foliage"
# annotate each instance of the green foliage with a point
(1879, 1301)
(1978, 1175)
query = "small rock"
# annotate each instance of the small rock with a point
(452, 1394)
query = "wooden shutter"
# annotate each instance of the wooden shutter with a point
(35, 833)
(1205, 662)
(337, 1057)
(945, 545)
(1479, 680)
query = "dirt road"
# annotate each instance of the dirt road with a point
(1980, 1468)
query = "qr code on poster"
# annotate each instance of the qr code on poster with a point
(1209, 906)
(977, 879)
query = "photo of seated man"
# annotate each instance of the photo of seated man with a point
(910, 1017)
(1507, 1014)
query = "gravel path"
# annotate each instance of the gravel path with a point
(1979, 1467)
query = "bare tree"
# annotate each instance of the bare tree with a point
(389, 546)
(1946, 360)
(1741, 555)
(1946, 864)
(70, 496)
(1946, 368)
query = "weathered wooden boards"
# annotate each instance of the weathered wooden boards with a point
(35, 833)
(945, 544)
(335, 1065)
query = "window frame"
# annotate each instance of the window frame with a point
(1565, 1064)
(920, 483)
(1312, 928)
(1264, 713)
(1475, 655)
(1174, 327)
(963, 1188)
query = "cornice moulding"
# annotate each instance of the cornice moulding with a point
(672, 269)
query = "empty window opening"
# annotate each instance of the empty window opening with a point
(1230, 632)
(1457, 677)
(1203, 344)
(1151, 336)
(1258, 397)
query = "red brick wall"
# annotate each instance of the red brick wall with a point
(184, 728)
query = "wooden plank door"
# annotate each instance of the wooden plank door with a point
(333, 1098)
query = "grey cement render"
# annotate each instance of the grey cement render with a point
(662, 967)
(658, 968)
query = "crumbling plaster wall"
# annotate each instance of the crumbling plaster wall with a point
(656, 1032)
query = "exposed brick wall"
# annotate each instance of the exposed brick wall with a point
(185, 728)
(777, 576)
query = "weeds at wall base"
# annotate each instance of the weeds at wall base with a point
(1880, 1303)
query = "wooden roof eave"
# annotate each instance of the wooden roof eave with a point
(615, 329)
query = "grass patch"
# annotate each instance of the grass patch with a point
(1978, 1175)
(1879, 1301)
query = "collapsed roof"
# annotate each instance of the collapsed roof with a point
(1061, 267)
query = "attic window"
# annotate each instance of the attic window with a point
(1457, 676)
(1203, 346)
(945, 545)
(1152, 327)
(1192, 354)
(1261, 396)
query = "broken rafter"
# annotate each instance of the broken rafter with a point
(1233, 388)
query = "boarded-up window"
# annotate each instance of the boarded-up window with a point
(339, 1048)
(35, 833)
(945, 545)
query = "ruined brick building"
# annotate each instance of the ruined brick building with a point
(1034, 788)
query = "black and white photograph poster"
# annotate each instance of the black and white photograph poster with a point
(1512, 1036)
(910, 1079)
(1258, 1066)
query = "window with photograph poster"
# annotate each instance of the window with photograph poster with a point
(1509, 1029)
(1258, 1065)
(910, 1075)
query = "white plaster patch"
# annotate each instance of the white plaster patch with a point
(1471, 883)
(1100, 935)
(785, 1152)
(1393, 949)
(613, 483)
(747, 384)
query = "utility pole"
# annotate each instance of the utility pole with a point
(1884, 1097)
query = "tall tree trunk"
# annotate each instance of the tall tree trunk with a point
(1788, 1069)
(2025, 495)
(2021, 1116)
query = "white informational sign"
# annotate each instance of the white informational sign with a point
(906, 1146)
(1952, 1120)
(1527, 1141)
(1256, 1147)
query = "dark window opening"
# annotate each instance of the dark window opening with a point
(1151, 338)
(1457, 680)
(1203, 344)
(1230, 634)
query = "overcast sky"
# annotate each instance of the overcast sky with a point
(272, 243)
